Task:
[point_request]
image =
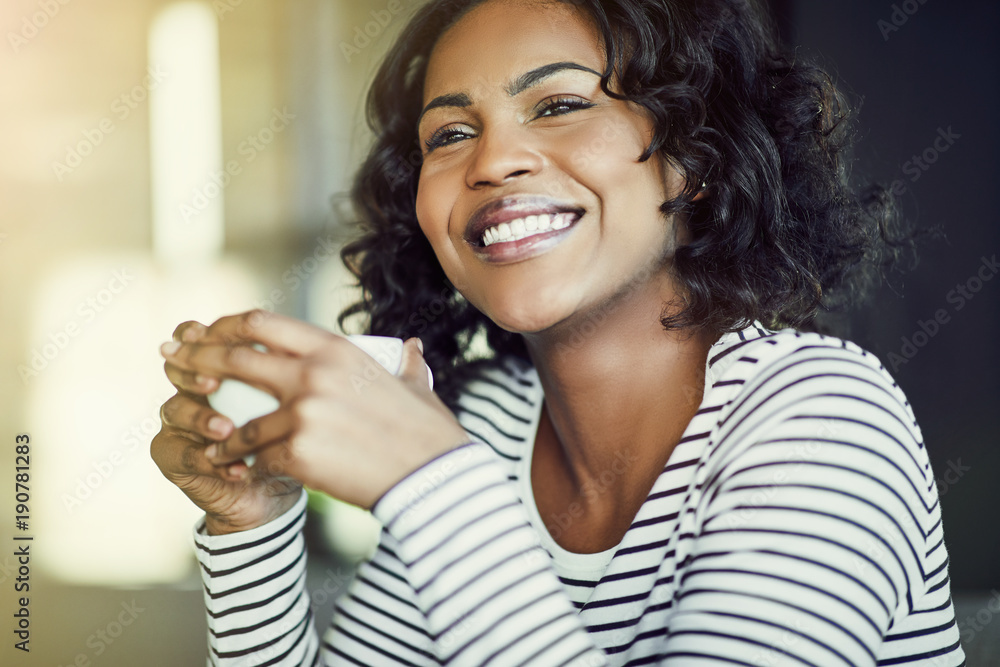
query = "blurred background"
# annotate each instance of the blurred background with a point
(165, 161)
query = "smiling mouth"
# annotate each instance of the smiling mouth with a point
(510, 219)
(531, 225)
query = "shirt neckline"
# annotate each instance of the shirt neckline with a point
(584, 565)
(593, 565)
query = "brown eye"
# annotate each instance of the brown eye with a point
(444, 137)
(563, 105)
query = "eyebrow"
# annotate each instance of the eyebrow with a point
(516, 87)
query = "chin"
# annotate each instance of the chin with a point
(550, 322)
(522, 325)
(522, 319)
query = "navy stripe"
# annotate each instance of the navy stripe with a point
(499, 405)
(854, 539)
(250, 545)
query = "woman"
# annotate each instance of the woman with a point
(622, 195)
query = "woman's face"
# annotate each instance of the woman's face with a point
(519, 139)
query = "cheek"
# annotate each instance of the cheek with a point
(607, 151)
(422, 213)
(602, 147)
(431, 214)
(433, 206)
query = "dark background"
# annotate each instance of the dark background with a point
(937, 71)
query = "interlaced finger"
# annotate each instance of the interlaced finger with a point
(185, 414)
(277, 332)
(260, 369)
(254, 435)
(190, 381)
(178, 456)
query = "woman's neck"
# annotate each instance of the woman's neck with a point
(619, 392)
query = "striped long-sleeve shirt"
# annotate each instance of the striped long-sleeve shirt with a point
(797, 522)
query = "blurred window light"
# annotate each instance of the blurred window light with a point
(92, 371)
(186, 135)
(108, 516)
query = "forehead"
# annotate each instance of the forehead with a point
(499, 39)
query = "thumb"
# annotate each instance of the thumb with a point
(413, 370)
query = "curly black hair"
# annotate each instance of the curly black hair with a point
(782, 237)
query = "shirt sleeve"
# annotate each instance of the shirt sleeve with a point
(808, 542)
(485, 585)
(255, 593)
(811, 539)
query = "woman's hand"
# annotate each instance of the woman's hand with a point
(233, 497)
(345, 425)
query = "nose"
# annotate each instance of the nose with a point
(501, 155)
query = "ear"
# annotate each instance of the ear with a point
(675, 181)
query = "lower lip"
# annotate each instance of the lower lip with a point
(504, 252)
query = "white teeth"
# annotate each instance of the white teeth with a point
(527, 226)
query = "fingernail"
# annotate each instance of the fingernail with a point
(211, 451)
(238, 470)
(420, 345)
(170, 348)
(217, 425)
(202, 379)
